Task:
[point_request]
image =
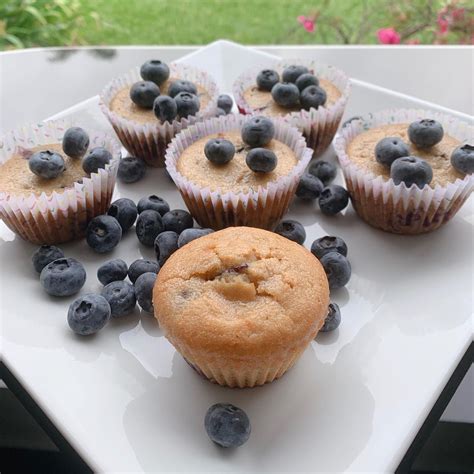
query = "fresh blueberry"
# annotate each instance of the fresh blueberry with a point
(462, 159)
(103, 233)
(125, 211)
(155, 71)
(351, 119)
(266, 79)
(258, 131)
(113, 270)
(154, 203)
(165, 245)
(411, 170)
(219, 151)
(225, 103)
(165, 108)
(306, 80)
(326, 244)
(189, 235)
(46, 164)
(75, 142)
(292, 230)
(121, 297)
(227, 425)
(389, 149)
(425, 133)
(131, 169)
(309, 187)
(88, 314)
(326, 171)
(44, 255)
(149, 225)
(333, 319)
(177, 220)
(144, 93)
(313, 97)
(333, 199)
(286, 94)
(97, 158)
(220, 112)
(140, 266)
(187, 104)
(261, 160)
(144, 290)
(179, 86)
(291, 73)
(337, 268)
(63, 277)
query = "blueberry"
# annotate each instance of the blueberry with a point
(326, 171)
(286, 94)
(313, 97)
(125, 211)
(113, 270)
(225, 103)
(189, 235)
(144, 93)
(131, 169)
(337, 268)
(306, 80)
(291, 73)
(261, 160)
(292, 230)
(333, 319)
(258, 131)
(220, 112)
(181, 86)
(75, 142)
(177, 220)
(121, 297)
(462, 159)
(63, 277)
(97, 158)
(103, 233)
(333, 199)
(187, 103)
(309, 187)
(46, 164)
(219, 151)
(425, 133)
(88, 314)
(326, 244)
(165, 245)
(140, 266)
(44, 255)
(154, 203)
(411, 170)
(389, 149)
(266, 79)
(149, 225)
(165, 108)
(227, 425)
(351, 119)
(144, 290)
(155, 71)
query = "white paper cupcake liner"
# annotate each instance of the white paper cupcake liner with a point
(396, 208)
(319, 126)
(62, 215)
(149, 141)
(263, 207)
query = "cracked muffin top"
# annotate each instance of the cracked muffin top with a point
(241, 291)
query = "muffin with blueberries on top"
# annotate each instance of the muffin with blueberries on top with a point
(309, 94)
(150, 104)
(407, 171)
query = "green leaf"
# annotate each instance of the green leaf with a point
(35, 13)
(14, 40)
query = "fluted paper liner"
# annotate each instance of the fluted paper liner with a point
(149, 141)
(319, 126)
(261, 208)
(396, 208)
(62, 215)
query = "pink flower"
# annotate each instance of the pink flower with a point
(458, 14)
(388, 36)
(443, 24)
(307, 23)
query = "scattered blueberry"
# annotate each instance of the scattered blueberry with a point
(165, 245)
(261, 160)
(46, 164)
(333, 199)
(189, 235)
(149, 225)
(155, 71)
(88, 314)
(140, 266)
(425, 133)
(75, 142)
(291, 73)
(165, 108)
(154, 203)
(113, 270)
(96, 158)
(125, 211)
(144, 93)
(131, 169)
(292, 230)
(389, 149)
(103, 233)
(63, 277)
(333, 319)
(286, 94)
(462, 159)
(306, 80)
(266, 79)
(313, 97)
(411, 170)
(219, 151)
(225, 103)
(121, 297)
(181, 86)
(258, 131)
(187, 104)
(337, 268)
(351, 119)
(177, 220)
(44, 255)
(309, 187)
(326, 244)
(144, 290)
(326, 171)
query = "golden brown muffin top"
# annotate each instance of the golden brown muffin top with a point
(241, 291)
